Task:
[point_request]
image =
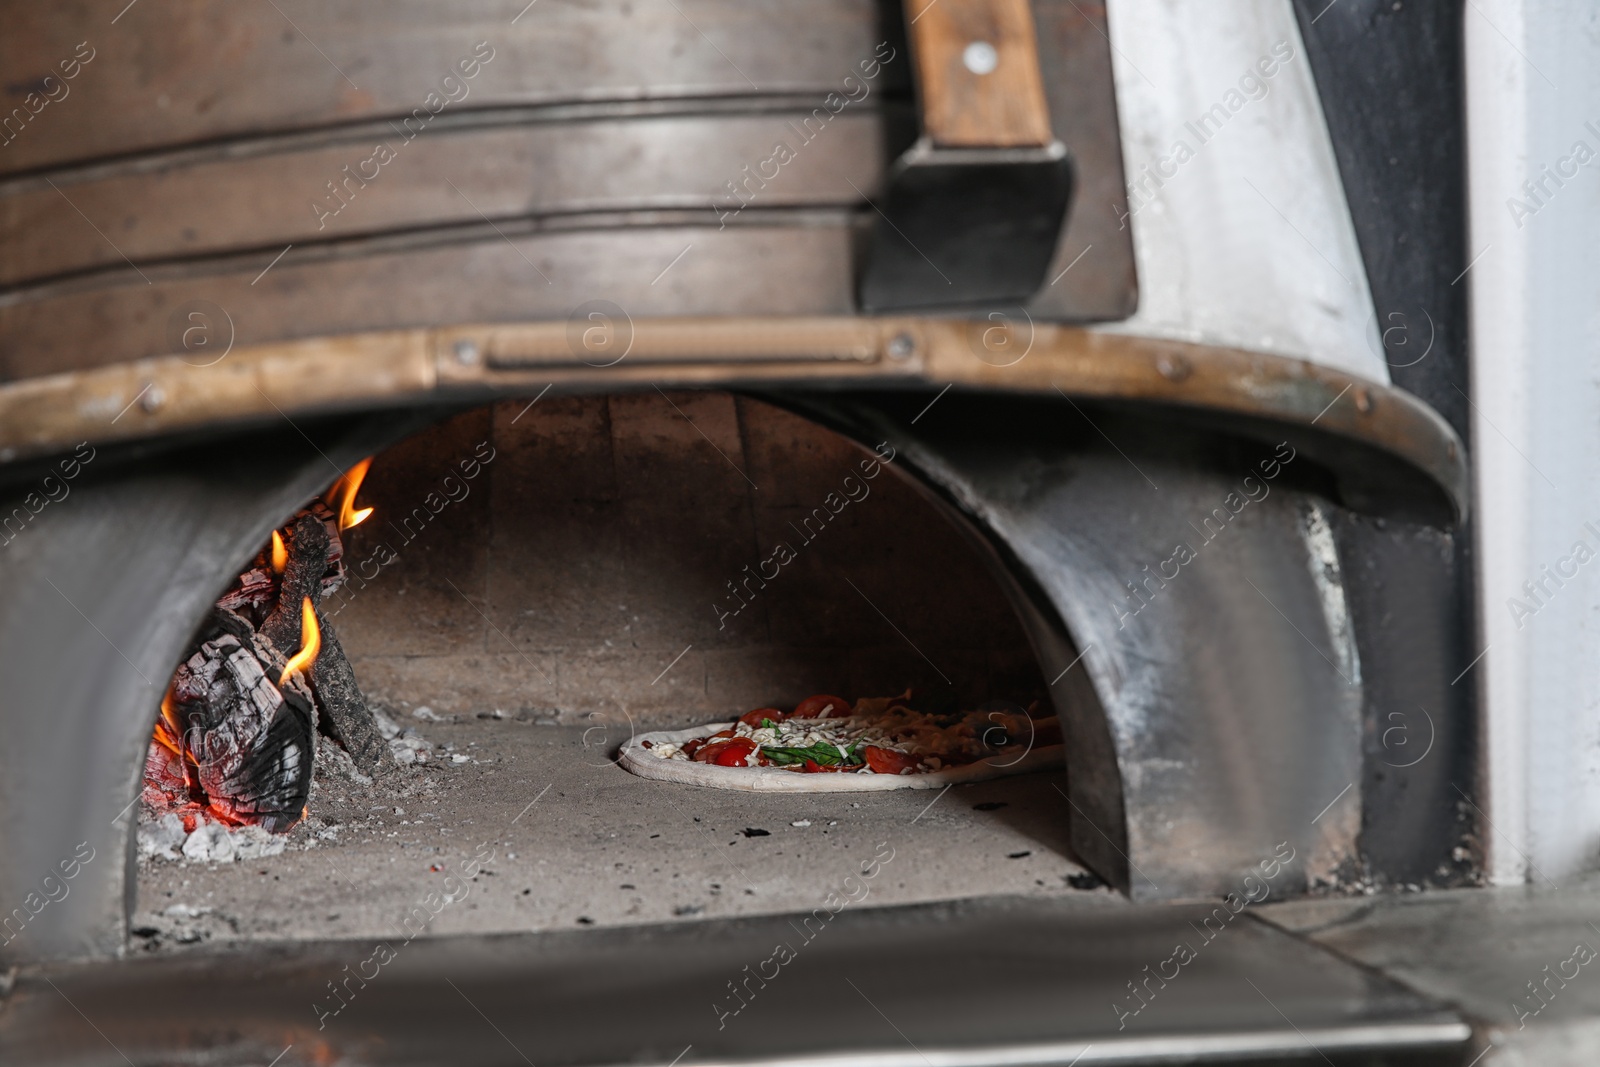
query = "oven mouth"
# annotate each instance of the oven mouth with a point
(523, 588)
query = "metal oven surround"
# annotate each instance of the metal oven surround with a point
(611, 239)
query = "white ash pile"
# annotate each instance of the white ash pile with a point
(406, 745)
(207, 842)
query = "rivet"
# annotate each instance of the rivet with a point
(980, 57)
(1363, 401)
(153, 398)
(466, 352)
(1173, 367)
(901, 346)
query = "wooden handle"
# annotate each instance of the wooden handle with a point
(977, 64)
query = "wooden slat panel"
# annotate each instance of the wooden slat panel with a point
(222, 203)
(170, 74)
(481, 277)
(796, 263)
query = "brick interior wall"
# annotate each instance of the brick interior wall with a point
(596, 547)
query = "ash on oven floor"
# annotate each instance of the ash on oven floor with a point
(530, 829)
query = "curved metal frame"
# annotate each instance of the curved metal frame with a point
(1212, 712)
(1391, 452)
(98, 597)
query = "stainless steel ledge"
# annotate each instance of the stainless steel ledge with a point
(999, 981)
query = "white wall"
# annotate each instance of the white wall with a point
(1533, 69)
(1241, 231)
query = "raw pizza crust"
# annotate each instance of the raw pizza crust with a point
(635, 757)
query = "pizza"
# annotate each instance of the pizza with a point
(827, 744)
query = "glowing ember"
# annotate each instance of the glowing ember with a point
(345, 490)
(310, 643)
(280, 554)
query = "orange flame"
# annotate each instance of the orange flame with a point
(310, 643)
(167, 731)
(280, 554)
(348, 484)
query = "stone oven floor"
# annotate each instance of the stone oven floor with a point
(577, 841)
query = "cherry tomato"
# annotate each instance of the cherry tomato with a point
(753, 719)
(822, 706)
(692, 747)
(727, 753)
(888, 760)
(696, 747)
(735, 753)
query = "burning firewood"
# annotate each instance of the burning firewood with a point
(252, 739)
(238, 730)
(306, 564)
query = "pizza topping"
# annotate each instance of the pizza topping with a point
(762, 716)
(890, 761)
(822, 753)
(692, 747)
(732, 753)
(822, 706)
(885, 735)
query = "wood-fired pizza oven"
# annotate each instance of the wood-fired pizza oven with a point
(562, 251)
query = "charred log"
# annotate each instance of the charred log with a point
(252, 742)
(345, 715)
(314, 569)
(238, 733)
(309, 541)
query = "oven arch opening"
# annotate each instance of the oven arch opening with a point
(545, 577)
(211, 509)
